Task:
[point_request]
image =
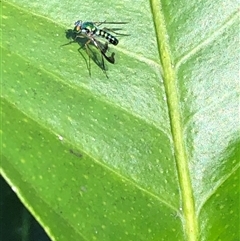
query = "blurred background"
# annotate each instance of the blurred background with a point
(16, 223)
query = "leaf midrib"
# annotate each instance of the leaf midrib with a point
(170, 83)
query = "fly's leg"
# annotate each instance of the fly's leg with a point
(73, 41)
(106, 22)
(89, 56)
(104, 69)
(113, 30)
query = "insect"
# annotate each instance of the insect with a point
(93, 34)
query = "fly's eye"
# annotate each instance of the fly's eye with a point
(78, 28)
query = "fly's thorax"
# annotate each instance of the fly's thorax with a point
(89, 27)
(111, 39)
(85, 27)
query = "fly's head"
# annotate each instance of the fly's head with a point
(78, 26)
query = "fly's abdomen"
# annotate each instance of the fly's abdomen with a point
(111, 39)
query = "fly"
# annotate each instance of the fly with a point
(93, 35)
(91, 31)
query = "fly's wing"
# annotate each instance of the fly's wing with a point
(104, 49)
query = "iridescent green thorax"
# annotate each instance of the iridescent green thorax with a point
(89, 27)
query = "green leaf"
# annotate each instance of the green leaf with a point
(150, 153)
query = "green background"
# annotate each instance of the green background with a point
(150, 153)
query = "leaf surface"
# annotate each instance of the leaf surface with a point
(150, 153)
